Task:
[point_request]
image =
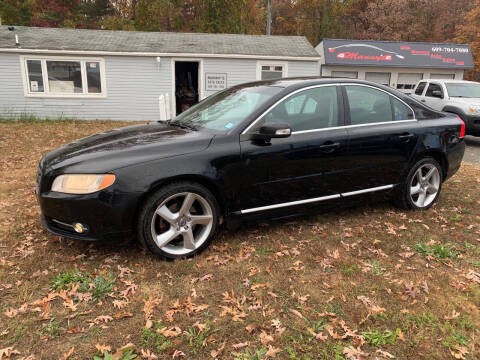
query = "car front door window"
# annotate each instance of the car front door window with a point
(310, 109)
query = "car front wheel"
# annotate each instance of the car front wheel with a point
(422, 186)
(178, 220)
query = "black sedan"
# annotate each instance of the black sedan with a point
(263, 149)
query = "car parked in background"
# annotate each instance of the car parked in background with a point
(259, 150)
(455, 96)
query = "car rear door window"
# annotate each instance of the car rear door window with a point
(420, 88)
(310, 109)
(401, 111)
(368, 105)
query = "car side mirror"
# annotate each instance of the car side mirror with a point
(273, 130)
(437, 94)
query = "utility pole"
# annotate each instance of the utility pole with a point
(269, 17)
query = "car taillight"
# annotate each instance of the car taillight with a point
(462, 129)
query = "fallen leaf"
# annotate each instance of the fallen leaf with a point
(8, 352)
(452, 316)
(239, 345)
(146, 354)
(103, 347)
(352, 353)
(272, 352)
(265, 338)
(178, 353)
(385, 354)
(68, 353)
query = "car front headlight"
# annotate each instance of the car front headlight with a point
(82, 183)
(474, 109)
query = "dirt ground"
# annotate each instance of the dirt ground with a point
(368, 282)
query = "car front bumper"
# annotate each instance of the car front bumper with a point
(106, 215)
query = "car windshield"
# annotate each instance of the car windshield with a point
(463, 90)
(227, 109)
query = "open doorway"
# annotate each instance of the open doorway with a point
(186, 85)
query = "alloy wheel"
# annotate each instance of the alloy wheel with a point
(425, 185)
(182, 223)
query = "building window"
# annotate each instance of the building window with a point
(62, 77)
(382, 78)
(345, 74)
(271, 71)
(442, 76)
(407, 81)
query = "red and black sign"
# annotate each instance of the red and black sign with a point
(387, 53)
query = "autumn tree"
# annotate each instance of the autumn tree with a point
(54, 13)
(469, 33)
(16, 12)
(318, 19)
(409, 20)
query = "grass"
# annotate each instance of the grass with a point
(379, 338)
(150, 339)
(257, 354)
(31, 118)
(69, 277)
(439, 251)
(98, 288)
(298, 287)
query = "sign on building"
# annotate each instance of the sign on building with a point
(215, 81)
(389, 53)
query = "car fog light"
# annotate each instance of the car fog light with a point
(79, 228)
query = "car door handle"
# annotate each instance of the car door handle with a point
(423, 100)
(329, 146)
(406, 137)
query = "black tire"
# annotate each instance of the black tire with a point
(403, 197)
(147, 215)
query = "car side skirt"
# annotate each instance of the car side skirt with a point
(317, 199)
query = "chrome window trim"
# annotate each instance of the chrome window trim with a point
(353, 126)
(336, 127)
(317, 199)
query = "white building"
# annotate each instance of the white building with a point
(396, 64)
(120, 75)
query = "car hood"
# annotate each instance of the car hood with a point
(121, 147)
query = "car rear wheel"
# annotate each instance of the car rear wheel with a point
(422, 186)
(179, 220)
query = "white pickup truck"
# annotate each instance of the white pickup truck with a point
(455, 96)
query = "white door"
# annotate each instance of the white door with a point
(345, 74)
(434, 96)
(442, 76)
(406, 81)
(378, 77)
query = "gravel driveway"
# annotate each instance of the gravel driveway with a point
(472, 154)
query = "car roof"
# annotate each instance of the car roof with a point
(297, 82)
(449, 81)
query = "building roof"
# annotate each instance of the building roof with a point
(108, 41)
(395, 53)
